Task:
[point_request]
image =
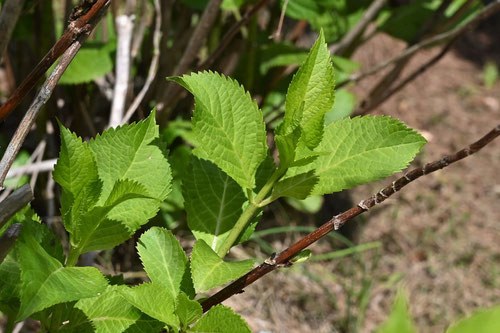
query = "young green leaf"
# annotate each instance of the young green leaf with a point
(486, 321)
(45, 282)
(187, 310)
(76, 172)
(311, 93)
(353, 152)
(164, 260)
(221, 319)
(213, 202)
(209, 270)
(399, 320)
(227, 124)
(96, 230)
(109, 311)
(130, 152)
(154, 300)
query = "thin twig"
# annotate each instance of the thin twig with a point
(338, 221)
(276, 35)
(153, 68)
(8, 238)
(487, 11)
(228, 37)
(44, 166)
(358, 29)
(14, 202)
(11, 10)
(124, 29)
(81, 18)
(42, 97)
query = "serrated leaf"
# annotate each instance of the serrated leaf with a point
(96, 230)
(109, 311)
(45, 282)
(187, 310)
(353, 152)
(311, 89)
(75, 320)
(484, 321)
(221, 319)
(76, 172)
(213, 202)
(209, 270)
(154, 300)
(130, 152)
(399, 320)
(227, 124)
(164, 259)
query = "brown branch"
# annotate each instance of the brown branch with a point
(11, 10)
(14, 202)
(81, 18)
(8, 238)
(338, 221)
(42, 97)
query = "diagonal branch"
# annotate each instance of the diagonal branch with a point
(81, 18)
(282, 259)
(11, 10)
(42, 97)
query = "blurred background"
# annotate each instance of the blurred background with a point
(438, 239)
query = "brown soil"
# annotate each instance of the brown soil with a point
(440, 236)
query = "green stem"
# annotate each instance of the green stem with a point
(247, 214)
(74, 253)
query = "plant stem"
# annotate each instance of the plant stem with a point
(247, 214)
(72, 257)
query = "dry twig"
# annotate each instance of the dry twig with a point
(11, 10)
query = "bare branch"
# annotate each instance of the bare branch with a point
(124, 29)
(336, 222)
(11, 10)
(8, 239)
(82, 18)
(14, 202)
(153, 68)
(358, 29)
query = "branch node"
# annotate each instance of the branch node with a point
(337, 223)
(381, 192)
(271, 261)
(406, 177)
(394, 186)
(363, 205)
(469, 151)
(444, 162)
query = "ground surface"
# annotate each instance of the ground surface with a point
(440, 237)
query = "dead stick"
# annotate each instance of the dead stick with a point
(14, 202)
(336, 222)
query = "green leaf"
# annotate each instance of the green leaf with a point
(125, 153)
(209, 270)
(399, 320)
(490, 74)
(310, 205)
(76, 172)
(484, 321)
(302, 256)
(221, 319)
(227, 124)
(213, 202)
(280, 54)
(45, 282)
(109, 311)
(164, 260)
(91, 62)
(75, 320)
(311, 93)
(353, 152)
(97, 230)
(187, 310)
(154, 300)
